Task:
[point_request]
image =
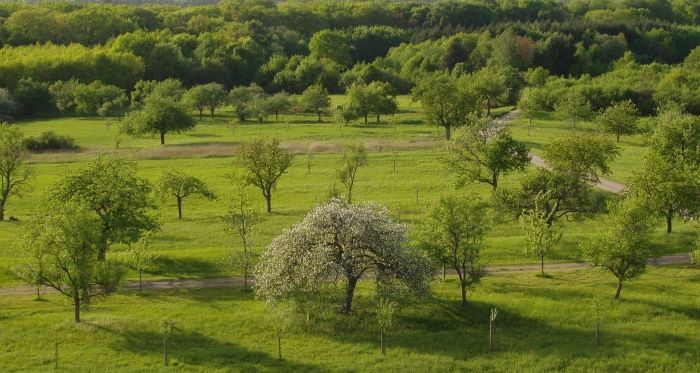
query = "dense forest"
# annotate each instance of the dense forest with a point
(583, 46)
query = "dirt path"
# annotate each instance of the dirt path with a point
(603, 184)
(683, 258)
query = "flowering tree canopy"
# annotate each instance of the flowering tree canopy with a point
(339, 240)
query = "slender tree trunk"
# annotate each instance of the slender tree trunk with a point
(279, 346)
(201, 114)
(2, 211)
(444, 271)
(245, 278)
(319, 117)
(212, 112)
(349, 292)
(542, 265)
(382, 342)
(377, 118)
(618, 136)
(448, 133)
(162, 138)
(488, 106)
(464, 291)
(494, 181)
(491, 327)
(529, 125)
(277, 115)
(179, 207)
(617, 292)
(140, 282)
(76, 303)
(268, 199)
(669, 220)
(365, 118)
(165, 350)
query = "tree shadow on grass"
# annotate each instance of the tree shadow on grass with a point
(184, 267)
(196, 349)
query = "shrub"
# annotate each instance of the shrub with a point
(49, 141)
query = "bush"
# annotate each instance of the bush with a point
(49, 141)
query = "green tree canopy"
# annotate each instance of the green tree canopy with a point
(158, 116)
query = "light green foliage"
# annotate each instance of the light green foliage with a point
(492, 85)
(168, 89)
(355, 156)
(528, 105)
(453, 231)
(332, 45)
(180, 185)
(540, 234)
(573, 107)
(8, 105)
(483, 152)
(315, 100)
(344, 115)
(158, 116)
(14, 170)
(206, 96)
(68, 236)
(240, 218)
(445, 102)
(619, 119)
(374, 98)
(582, 157)
(361, 240)
(279, 103)
(241, 98)
(676, 135)
(111, 189)
(91, 99)
(622, 246)
(264, 163)
(140, 256)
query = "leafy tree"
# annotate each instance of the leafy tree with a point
(14, 171)
(139, 256)
(315, 100)
(206, 96)
(279, 103)
(573, 162)
(354, 157)
(242, 96)
(240, 219)
(8, 106)
(95, 98)
(670, 188)
(572, 108)
(385, 317)
(332, 45)
(491, 85)
(622, 246)
(483, 152)
(68, 237)
(444, 102)
(33, 97)
(180, 185)
(361, 239)
(110, 188)
(676, 135)
(540, 237)
(158, 116)
(264, 162)
(620, 119)
(168, 89)
(454, 230)
(374, 98)
(528, 105)
(344, 115)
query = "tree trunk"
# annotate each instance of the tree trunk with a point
(542, 265)
(200, 115)
(179, 207)
(319, 117)
(268, 199)
(488, 106)
(494, 181)
(140, 282)
(245, 278)
(618, 137)
(448, 134)
(617, 292)
(365, 118)
(444, 271)
(377, 118)
(382, 340)
(76, 302)
(464, 292)
(279, 347)
(669, 220)
(277, 115)
(162, 138)
(165, 350)
(349, 292)
(2, 211)
(212, 112)
(490, 335)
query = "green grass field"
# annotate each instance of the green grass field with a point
(543, 324)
